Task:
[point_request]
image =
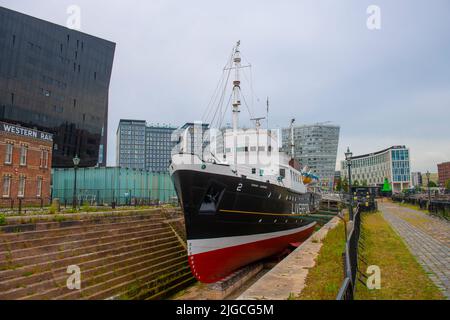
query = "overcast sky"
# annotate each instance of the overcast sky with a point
(316, 60)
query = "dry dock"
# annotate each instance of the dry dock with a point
(288, 277)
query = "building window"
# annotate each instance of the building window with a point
(6, 186)
(23, 155)
(44, 158)
(21, 191)
(9, 153)
(39, 187)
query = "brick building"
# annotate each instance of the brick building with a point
(443, 173)
(25, 165)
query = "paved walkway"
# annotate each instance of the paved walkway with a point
(427, 237)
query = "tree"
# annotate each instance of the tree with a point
(364, 183)
(339, 185)
(345, 185)
(356, 183)
(432, 184)
(447, 184)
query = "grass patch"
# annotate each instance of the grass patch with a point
(402, 277)
(324, 280)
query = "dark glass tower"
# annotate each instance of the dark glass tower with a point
(56, 80)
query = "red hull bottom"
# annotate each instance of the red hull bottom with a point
(213, 266)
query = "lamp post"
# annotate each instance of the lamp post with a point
(76, 162)
(348, 158)
(428, 185)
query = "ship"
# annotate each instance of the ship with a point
(238, 211)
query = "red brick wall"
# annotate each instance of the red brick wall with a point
(443, 173)
(32, 170)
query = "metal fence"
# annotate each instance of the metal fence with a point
(438, 206)
(351, 259)
(23, 205)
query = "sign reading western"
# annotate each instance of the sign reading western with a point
(26, 132)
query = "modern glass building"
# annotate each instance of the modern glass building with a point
(315, 146)
(142, 146)
(56, 80)
(108, 184)
(371, 169)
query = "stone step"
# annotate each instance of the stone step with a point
(160, 287)
(70, 228)
(176, 284)
(89, 233)
(77, 251)
(56, 286)
(31, 279)
(51, 245)
(144, 276)
(115, 249)
(48, 222)
(107, 288)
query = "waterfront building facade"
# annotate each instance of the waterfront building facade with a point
(56, 80)
(443, 173)
(142, 146)
(371, 169)
(416, 179)
(315, 146)
(25, 165)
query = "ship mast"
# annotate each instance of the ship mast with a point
(236, 98)
(236, 87)
(292, 139)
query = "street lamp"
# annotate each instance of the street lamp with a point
(76, 162)
(348, 158)
(428, 185)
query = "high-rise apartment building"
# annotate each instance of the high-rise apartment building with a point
(315, 146)
(142, 146)
(56, 80)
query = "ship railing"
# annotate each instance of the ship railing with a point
(351, 259)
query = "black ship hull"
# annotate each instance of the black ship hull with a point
(232, 221)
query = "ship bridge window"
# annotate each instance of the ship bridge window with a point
(211, 199)
(283, 173)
